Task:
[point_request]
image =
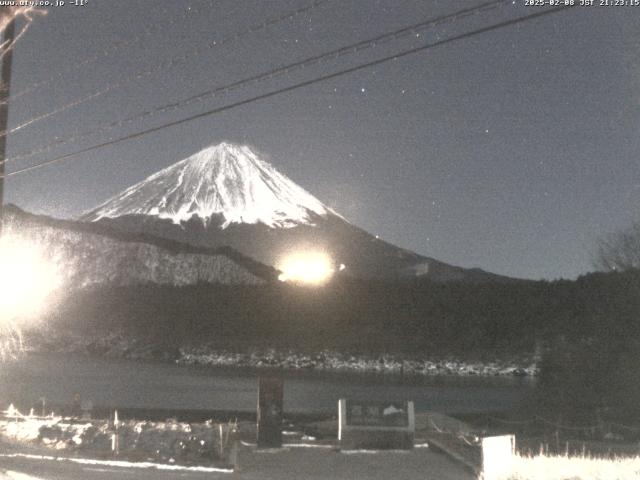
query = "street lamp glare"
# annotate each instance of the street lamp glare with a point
(308, 268)
(27, 278)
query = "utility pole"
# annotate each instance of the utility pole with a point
(5, 78)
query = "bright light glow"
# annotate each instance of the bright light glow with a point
(26, 278)
(311, 268)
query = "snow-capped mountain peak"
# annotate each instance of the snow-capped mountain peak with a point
(226, 180)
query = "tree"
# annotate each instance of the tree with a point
(620, 251)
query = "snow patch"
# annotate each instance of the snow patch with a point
(118, 463)
(9, 475)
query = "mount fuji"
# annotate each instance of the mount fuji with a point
(226, 195)
(225, 181)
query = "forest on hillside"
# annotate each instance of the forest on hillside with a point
(587, 330)
(401, 317)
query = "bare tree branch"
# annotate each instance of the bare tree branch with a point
(619, 251)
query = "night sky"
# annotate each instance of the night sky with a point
(514, 150)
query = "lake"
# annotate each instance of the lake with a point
(123, 383)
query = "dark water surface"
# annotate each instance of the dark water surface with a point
(122, 383)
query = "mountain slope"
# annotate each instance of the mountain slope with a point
(226, 195)
(93, 254)
(224, 180)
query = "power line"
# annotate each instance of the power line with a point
(104, 53)
(167, 64)
(331, 55)
(294, 87)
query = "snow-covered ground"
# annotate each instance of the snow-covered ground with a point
(543, 467)
(123, 346)
(9, 475)
(168, 442)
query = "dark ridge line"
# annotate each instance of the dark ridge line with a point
(258, 269)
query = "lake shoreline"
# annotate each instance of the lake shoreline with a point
(253, 358)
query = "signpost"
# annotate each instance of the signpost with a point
(115, 437)
(376, 425)
(270, 402)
